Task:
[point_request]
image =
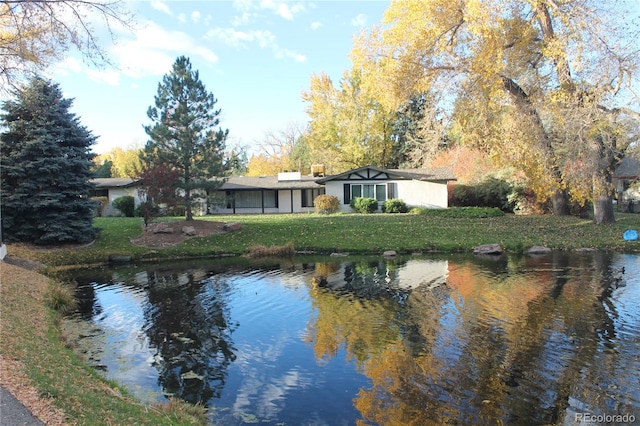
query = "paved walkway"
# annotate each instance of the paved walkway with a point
(13, 413)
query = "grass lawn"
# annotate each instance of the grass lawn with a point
(353, 233)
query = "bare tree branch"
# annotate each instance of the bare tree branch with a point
(36, 33)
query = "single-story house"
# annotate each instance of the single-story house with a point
(293, 193)
(113, 188)
(416, 187)
(626, 179)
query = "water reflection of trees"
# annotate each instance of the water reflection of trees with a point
(187, 321)
(508, 341)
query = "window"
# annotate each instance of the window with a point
(254, 199)
(308, 195)
(378, 191)
(392, 190)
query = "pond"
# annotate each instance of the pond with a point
(456, 339)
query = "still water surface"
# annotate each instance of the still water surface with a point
(340, 341)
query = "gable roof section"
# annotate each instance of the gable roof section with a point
(102, 183)
(376, 173)
(252, 183)
(629, 168)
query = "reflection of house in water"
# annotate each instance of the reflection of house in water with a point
(627, 182)
(373, 278)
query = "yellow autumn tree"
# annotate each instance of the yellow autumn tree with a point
(125, 162)
(348, 126)
(510, 65)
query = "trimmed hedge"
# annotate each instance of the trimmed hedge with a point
(364, 205)
(395, 205)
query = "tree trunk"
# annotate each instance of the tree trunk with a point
(560, 203)
(187, 205)
(602, 200)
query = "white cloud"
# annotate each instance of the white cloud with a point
(109, 76)
(316, 25)
(360, 20)
(265, 39)
(245, 18)
(69, 64)
(283, 8)
(182, 18)
(154, 50)
(195, 16)
(161, 6)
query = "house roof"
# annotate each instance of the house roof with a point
(239, 183)
(376, 173)
(629, 168)
(114, 182)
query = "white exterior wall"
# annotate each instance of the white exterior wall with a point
(414, 193)
(115, 193)
(431, 195)
(246, 210)
(284, 200)
(335, 189)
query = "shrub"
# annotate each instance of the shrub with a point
(492, 192)
(125, 204)
(395, 205)
(326, 204)
(259, 250)
(364, 205)
(60, 297)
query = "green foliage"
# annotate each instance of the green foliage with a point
(459, 212)
(126, 204)
(103, 170)
(364, 205)
(326, 204)
(46, 168)
(183, 134)
(395, 205)
(491, 192)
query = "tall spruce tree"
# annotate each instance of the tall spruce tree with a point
(46, 168)
(184, 134)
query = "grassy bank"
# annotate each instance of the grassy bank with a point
(353, 233)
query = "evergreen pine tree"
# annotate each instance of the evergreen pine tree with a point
(46, 168)
(183, 134)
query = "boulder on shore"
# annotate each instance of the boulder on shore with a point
(189, 231)
(539, 250)
(488, 249)
(162, 228)
(235, 226)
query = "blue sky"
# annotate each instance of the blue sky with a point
(255, 56)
